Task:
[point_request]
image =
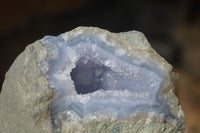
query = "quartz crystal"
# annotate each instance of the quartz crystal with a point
(100, 79)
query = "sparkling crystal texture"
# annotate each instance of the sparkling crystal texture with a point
(101, 76)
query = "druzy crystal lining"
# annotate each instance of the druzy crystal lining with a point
(90, 75)
(90, 80)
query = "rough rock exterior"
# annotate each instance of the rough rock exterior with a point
(26, 97)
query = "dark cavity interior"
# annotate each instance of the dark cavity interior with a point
(88, 76)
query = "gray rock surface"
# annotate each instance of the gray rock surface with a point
(25, 98)
(30, 102)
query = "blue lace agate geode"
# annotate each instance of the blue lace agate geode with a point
(98, 76)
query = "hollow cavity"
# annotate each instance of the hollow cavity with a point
(89, 76)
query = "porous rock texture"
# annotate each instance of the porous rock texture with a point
(31, 102)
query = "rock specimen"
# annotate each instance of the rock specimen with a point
(90, 80)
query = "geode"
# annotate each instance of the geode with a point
(90, 80)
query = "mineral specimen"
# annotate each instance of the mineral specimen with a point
(90, 80)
